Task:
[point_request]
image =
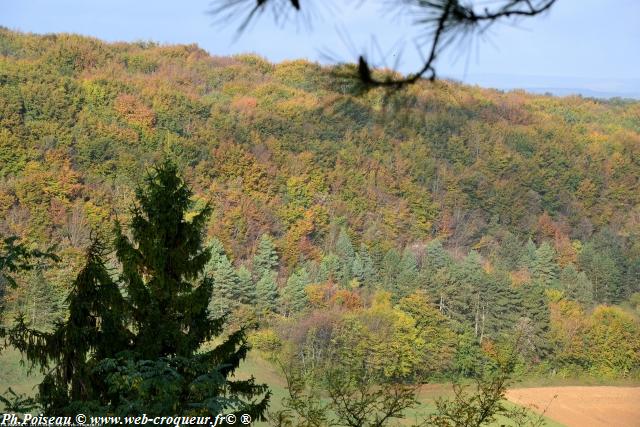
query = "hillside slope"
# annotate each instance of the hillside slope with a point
(281, 147)
(513, 205)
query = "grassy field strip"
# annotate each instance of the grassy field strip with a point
(267, 373)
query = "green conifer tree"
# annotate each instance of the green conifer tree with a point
(329, 268)
(139, 350)
(436, 257)
(528, 258)
(160, 264)
(544, 268)
(407, 279)
(267, 293)
(294, 295)
(217, 254)
(266, 257)
(246, 288)
(390, 269)
(346, 257)
(94, 330)
(226, 292)
(576, 285)
(363, 268)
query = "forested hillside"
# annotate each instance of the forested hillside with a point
(453, 215)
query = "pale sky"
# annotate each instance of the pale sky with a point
(585, 44)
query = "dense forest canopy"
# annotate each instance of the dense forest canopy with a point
(488, 210)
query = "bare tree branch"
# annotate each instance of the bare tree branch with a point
(444, 21)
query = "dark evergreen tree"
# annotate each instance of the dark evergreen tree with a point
(159, 266)
(94, 331)
(139, 350)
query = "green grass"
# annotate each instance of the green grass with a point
(265, 372)
(13, 374)
(576, 381)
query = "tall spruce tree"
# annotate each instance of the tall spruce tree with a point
(346, 257)
(294, 297)
(603, 261)
(246, 289)
(139, 349)
(390, 269)
(267, 292)
(160, 265)
(329, 268)
(407, 280)
(576, 285)
(266, 257)
(95, 330)
(436, 257)
(225, 288)
(363, 268)
(544, 268)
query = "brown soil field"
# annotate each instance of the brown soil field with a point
(596, 406)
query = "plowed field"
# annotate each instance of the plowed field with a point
(583, 406)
